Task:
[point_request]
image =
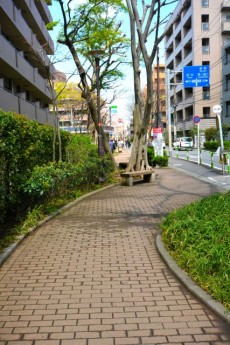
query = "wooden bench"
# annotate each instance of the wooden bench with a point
(146, 175)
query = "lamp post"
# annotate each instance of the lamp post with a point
(96, 54)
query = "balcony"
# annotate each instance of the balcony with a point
(18, 30)
(32, 16)
(205, 50)
(225, 5)
(15, 66)
(11, 102)
(225, 27)
(204, 26)
(43, 9)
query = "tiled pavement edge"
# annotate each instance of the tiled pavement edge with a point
(92, 275)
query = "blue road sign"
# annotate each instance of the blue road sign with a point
(196, 76)
(196, 119)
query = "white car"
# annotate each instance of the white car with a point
(183, 143)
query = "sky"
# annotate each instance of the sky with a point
(125, 86)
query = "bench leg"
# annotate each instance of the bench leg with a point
(149, 178)
(127, 181)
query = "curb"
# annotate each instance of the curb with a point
(9, 250)
(191, 286)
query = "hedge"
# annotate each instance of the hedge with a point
(213, 145)
(24, 144)
(28, 177)
(153, 160)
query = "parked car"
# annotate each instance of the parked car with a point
(183, 143)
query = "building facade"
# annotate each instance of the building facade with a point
(24, 65)
(226, 85)
(159, 94)
(195, 36)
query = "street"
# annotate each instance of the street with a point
(205, 158)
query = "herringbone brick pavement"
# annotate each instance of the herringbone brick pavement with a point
(92, 275)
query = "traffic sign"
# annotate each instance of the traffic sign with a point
(196, 76)
(113, 109)
(196, 119)
(217, 109)
(158, 130)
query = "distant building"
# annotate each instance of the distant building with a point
(59, 76)
(159, 91)
(25, 44)
(226, 85)
(194, 36)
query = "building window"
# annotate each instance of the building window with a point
(204, 63)
(206, 92)
(204, 3)
(206, 112)
(7, 84)
(227, 80)
(227, 18)
(227, 109)
(227, 56)
(205, 22)
(205, 46)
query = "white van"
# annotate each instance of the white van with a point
(183, 143)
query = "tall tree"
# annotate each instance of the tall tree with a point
(146, 17)
(89, 27)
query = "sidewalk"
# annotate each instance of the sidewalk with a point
(93, 275)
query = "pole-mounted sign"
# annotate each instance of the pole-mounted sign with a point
(217, 109)
(196, 76)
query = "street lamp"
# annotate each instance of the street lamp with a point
(96, 54)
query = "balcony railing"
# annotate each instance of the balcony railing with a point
(12, 102)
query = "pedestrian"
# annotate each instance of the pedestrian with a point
(112, 145)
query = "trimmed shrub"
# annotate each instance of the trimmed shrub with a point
(58, 180)
(153, 160)
(213, 145)
(23, 145)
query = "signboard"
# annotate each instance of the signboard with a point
(196, 76)
(113, 109)
(217, 109)
(158, 130)
(158, 141)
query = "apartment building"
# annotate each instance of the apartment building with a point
(25, 45)
(226, 84)
(159, 94)
(195, 36)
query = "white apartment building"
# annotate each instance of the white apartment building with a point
(25, 44)
(195, 36)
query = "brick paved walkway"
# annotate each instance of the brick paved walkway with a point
(92, 275)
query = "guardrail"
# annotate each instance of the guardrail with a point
(212, 159)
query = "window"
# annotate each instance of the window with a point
(206, 112)
(206, 92)
(227, 109)
(227, 56)
(205, 22)
(227, 81)
(7, 84)
(227, 18)
(205, 46)
(204, 63)
(204, 3)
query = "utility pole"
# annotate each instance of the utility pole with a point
(158, 92)
(169, 112)
(174, 106)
